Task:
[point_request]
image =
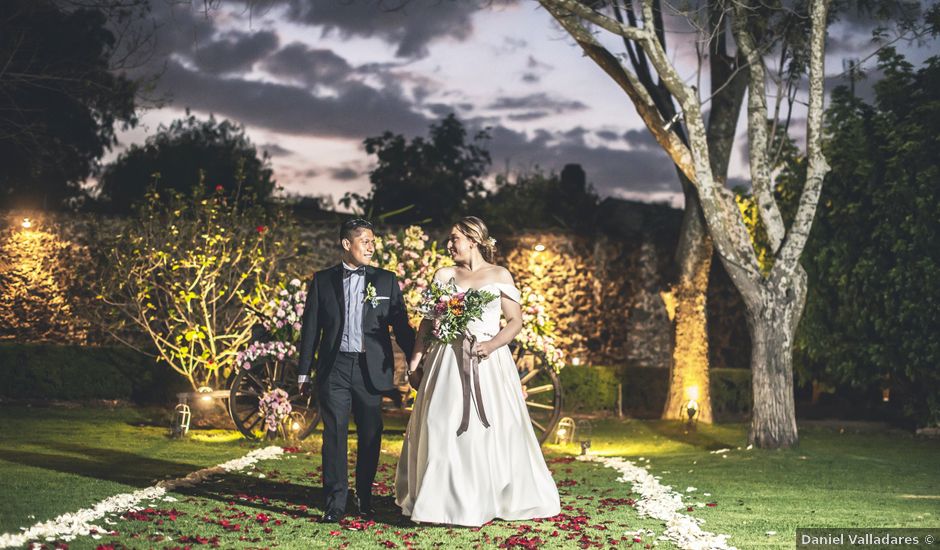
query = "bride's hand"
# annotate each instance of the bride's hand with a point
(484, 349)
(415, 372)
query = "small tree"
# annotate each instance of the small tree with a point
(426, 179)
(190, 273)
(184, 155)
(59, 97)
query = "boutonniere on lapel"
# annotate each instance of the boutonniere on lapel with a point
(372, 298)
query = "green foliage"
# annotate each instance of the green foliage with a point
(58, 98)
(427, 179)
(186, 154)
(588, 389)
(549, 202)
(874, 254)
(44, 371)
(190, 275)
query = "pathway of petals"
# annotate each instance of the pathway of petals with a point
(273, 504)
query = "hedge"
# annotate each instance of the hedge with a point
(46, 371)
(594, 389)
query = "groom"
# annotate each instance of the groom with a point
(345, 339)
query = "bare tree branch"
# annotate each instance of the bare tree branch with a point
(788, 259)
(758, 142)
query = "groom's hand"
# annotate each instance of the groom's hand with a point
(305, 389)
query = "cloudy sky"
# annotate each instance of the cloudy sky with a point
(310, 79)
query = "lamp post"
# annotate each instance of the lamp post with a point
(690, 408)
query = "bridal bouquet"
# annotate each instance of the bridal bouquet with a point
(451, 310)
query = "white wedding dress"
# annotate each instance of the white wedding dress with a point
(485, 472)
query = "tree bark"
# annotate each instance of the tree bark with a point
(773, 313)
(689, 367)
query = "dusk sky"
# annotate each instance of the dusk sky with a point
(311, 79)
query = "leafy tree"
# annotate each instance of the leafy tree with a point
(547, 200)
(874, 256)
(59, 99)
(187, 275)
(187, 154)
(425, 179)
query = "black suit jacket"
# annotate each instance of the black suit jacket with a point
(324, 319)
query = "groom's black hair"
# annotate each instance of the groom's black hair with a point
(349, 227)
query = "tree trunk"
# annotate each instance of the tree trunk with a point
(773, 313)
(688, 372)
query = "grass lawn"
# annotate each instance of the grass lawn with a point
(59, 460)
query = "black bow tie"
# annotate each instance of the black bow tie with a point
(361, 270)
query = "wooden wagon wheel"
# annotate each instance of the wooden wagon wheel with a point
(250, 384)
(542, 388)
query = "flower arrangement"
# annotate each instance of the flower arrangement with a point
(283, 315)
(259, 350)
(276, 408)
(414, 259)
(451, 310)
(538, 330)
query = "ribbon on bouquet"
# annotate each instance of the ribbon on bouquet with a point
(470, 375)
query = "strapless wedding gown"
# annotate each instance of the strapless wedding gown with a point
(485, 472)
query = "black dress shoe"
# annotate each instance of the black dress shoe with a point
(331, 516)
(365, 509)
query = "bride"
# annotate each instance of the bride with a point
(470, 454)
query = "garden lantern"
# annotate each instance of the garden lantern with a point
(27, 223)
(690, 408)
(181, 420)
(565, 431)
(540, 247)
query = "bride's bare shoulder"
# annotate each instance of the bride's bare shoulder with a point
(500, 274)
(444, 274)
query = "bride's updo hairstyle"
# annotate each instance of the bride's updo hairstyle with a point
(475, 230)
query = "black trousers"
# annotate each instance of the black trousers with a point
(343, 390)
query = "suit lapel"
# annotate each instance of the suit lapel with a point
(367, 309)
(337, 280)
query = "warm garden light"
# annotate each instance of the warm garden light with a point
(540, 247)
(27, 223)
(206, 391)
(576, 361)
(565, 431)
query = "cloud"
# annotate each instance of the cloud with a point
(411, 25)
(358, 112)
(275, 150)
(235, 52)
(345, 173)
(536, 101)
(528, 115)
(640, 139)
(308, 65)
(612, 171)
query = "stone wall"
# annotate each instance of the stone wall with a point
(604, 290)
